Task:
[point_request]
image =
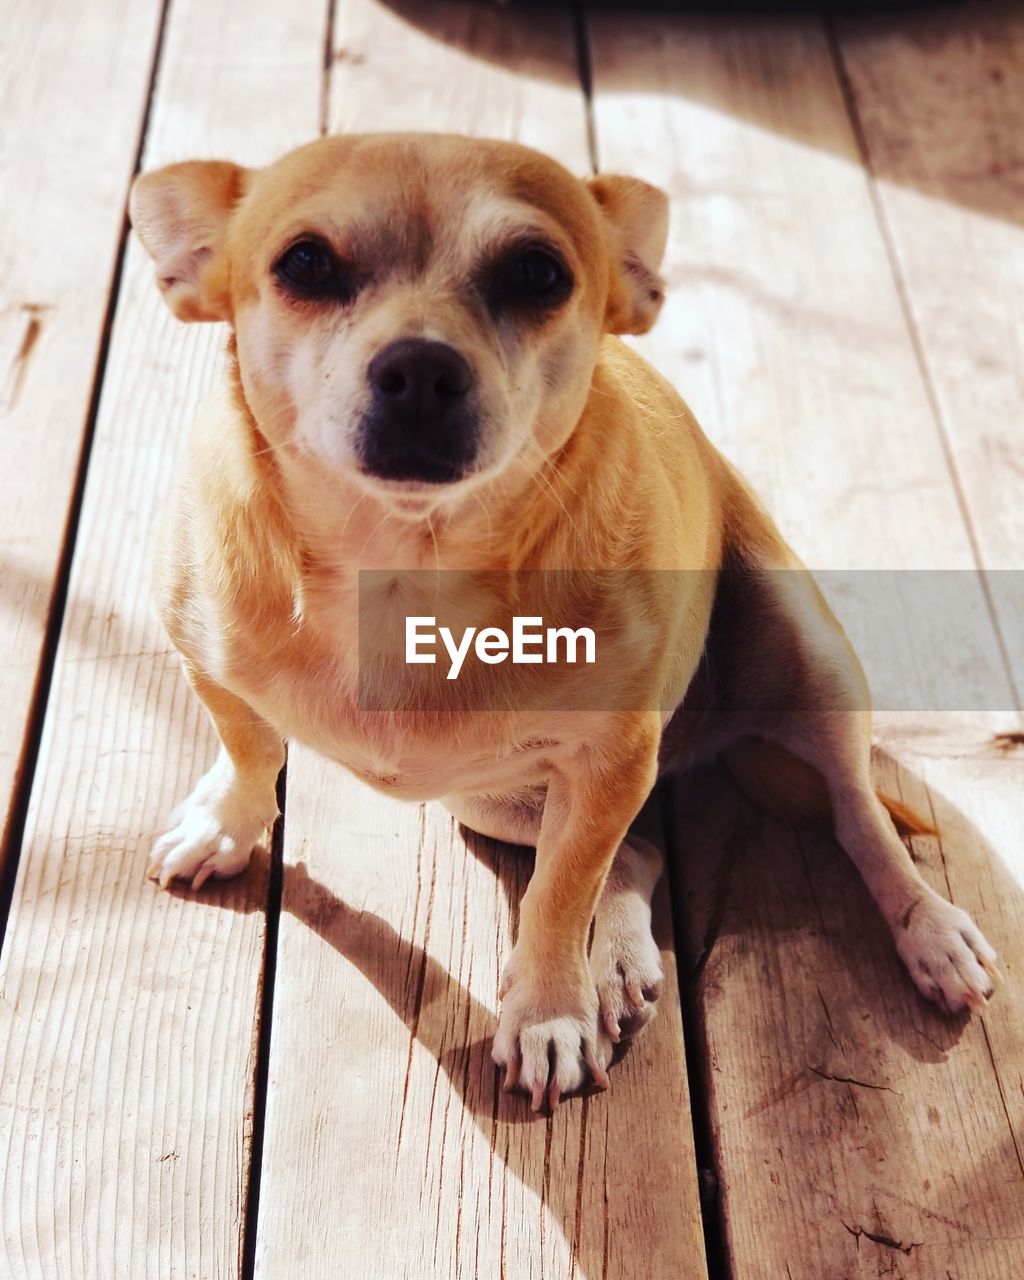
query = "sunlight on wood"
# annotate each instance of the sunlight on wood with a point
(845, 270)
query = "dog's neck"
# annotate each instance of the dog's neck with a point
(498, 528)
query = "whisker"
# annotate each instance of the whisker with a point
(433, 539)
(487, 512)
(348, 519)
(370, 536)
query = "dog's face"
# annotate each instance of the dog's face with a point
(419, 313)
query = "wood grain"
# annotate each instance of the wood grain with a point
(939, 97)
(782, 327)
(73, 87)
(878, 1136)
(129, 1015)
(463, 68)
(386, 1133)
(858, 1133)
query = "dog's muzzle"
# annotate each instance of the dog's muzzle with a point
(422, 423)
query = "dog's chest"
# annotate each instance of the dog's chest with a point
(317, 697)
(421, 760)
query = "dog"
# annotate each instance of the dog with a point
(425, 373)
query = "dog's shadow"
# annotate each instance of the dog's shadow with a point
(813, 1041)
(753, 897)
(735, 873)
(418, 981)
(780, 905)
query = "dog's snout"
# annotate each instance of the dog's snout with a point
(422, 422)
(419, 375)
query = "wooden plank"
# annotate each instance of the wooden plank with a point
(781, 327)
(386, 1125)
(787, 335)
(404, 1158)
(879, 1137)
(453, 66)
(74, 82)
(939, 97)
(129, 1015)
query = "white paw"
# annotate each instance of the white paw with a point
(946, 955)
(213, 832)
(627, 970)
(549, 1039)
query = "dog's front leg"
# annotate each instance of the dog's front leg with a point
(213, 832)
(549, 1032)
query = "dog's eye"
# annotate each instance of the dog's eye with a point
(310, 269)
(533, 273)
(534, 278)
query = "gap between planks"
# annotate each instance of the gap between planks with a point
(32, 730)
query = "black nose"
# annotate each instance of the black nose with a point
(421, 424)
(420, 376)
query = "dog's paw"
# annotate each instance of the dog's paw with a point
(213, 832)
(549, 1042)
(626, 966)
(946, 955)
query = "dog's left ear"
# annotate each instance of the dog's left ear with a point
(181, 215)
(636, 217)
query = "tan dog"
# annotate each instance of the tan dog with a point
(422, 376)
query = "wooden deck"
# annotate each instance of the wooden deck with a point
(288, 1075)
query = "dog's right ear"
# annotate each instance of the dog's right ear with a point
(636, 223)
(181, 214)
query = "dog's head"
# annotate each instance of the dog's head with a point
(419, 312)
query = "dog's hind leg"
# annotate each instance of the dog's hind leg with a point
(513, 819)
(943, 949)
(821, 716)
